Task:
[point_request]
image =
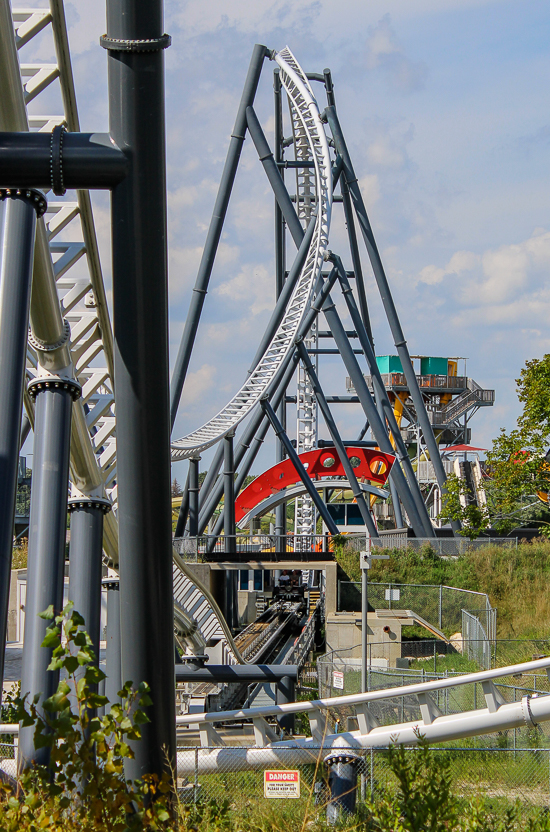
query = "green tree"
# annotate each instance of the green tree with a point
(474, 518)
(518, 463)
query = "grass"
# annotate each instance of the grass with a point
(516, 580)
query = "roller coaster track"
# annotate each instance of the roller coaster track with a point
(308, 128)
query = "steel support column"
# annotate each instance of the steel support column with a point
(338, 444)
(85, 561)
(113, 668)
(300, 470)
(183, 512)
(280, 266)
(383, 404)
(194, 496)
(248, 450)
(369, 408)
(322, 291)
(215, 229)
(47, 532)
(387, 300)
(140, 304)
(17, 234)
(229, 495)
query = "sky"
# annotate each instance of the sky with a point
(444, 105)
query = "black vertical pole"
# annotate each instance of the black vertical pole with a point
(338, 444)
(216, 225)
(194, 496)
(183, 512)
(113, 670)
(135, 43)
(231, 577)
(387, 300)
(229, 495)
(384, 407)
(299, 466)
(280, 266)
(47, 532)
(85, 563)
(369, 408)
(17, 230)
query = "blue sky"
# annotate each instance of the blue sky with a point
(445, 108)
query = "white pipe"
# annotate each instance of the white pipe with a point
(528, 712)
(361, 698)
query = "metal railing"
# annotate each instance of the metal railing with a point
(478, 632)
(242, 548)
(450, 546)
(439, 604)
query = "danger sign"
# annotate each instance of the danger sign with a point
(281, 783)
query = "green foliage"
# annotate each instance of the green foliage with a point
(424, 801)
(517, 461)
(516, 580)
(83, 787)
(474, 518)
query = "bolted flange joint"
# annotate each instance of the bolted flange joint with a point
(42, 346)
(111, 583)
(42, 383)
(346, 756)
(148, 45)
(90, 502)
(29, 195)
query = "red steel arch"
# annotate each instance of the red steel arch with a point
(368, 464)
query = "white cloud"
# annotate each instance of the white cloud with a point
(253, 286)
(370, 189)
(198, 384)
(386, 54)
(503, 286)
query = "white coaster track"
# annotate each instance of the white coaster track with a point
(310, 129)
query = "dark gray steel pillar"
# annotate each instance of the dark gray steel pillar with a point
(211, 475)
(300, 470)
(17, 230)
(369, 408)
(280, 266)
(85, 559)
(387, 300)
(140, 305)
(338, 444)
(342, 781)
(322, 291)
(383, 404)
(252, 446)
(47, 532)
(194, 496)
(113, 669)
(229, 495)
(215, 229)
(275, 179)
(286, 692)
(183, 512)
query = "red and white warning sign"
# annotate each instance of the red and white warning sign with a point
(338, 679)
(281, 783)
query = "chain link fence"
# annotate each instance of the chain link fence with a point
(444, 546)
(439, 604)
(498, 773)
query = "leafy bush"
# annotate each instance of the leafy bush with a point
(83, 787)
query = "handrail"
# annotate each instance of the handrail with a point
(363, 698)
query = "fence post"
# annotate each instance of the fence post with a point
(440, 606)
(196, 786)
